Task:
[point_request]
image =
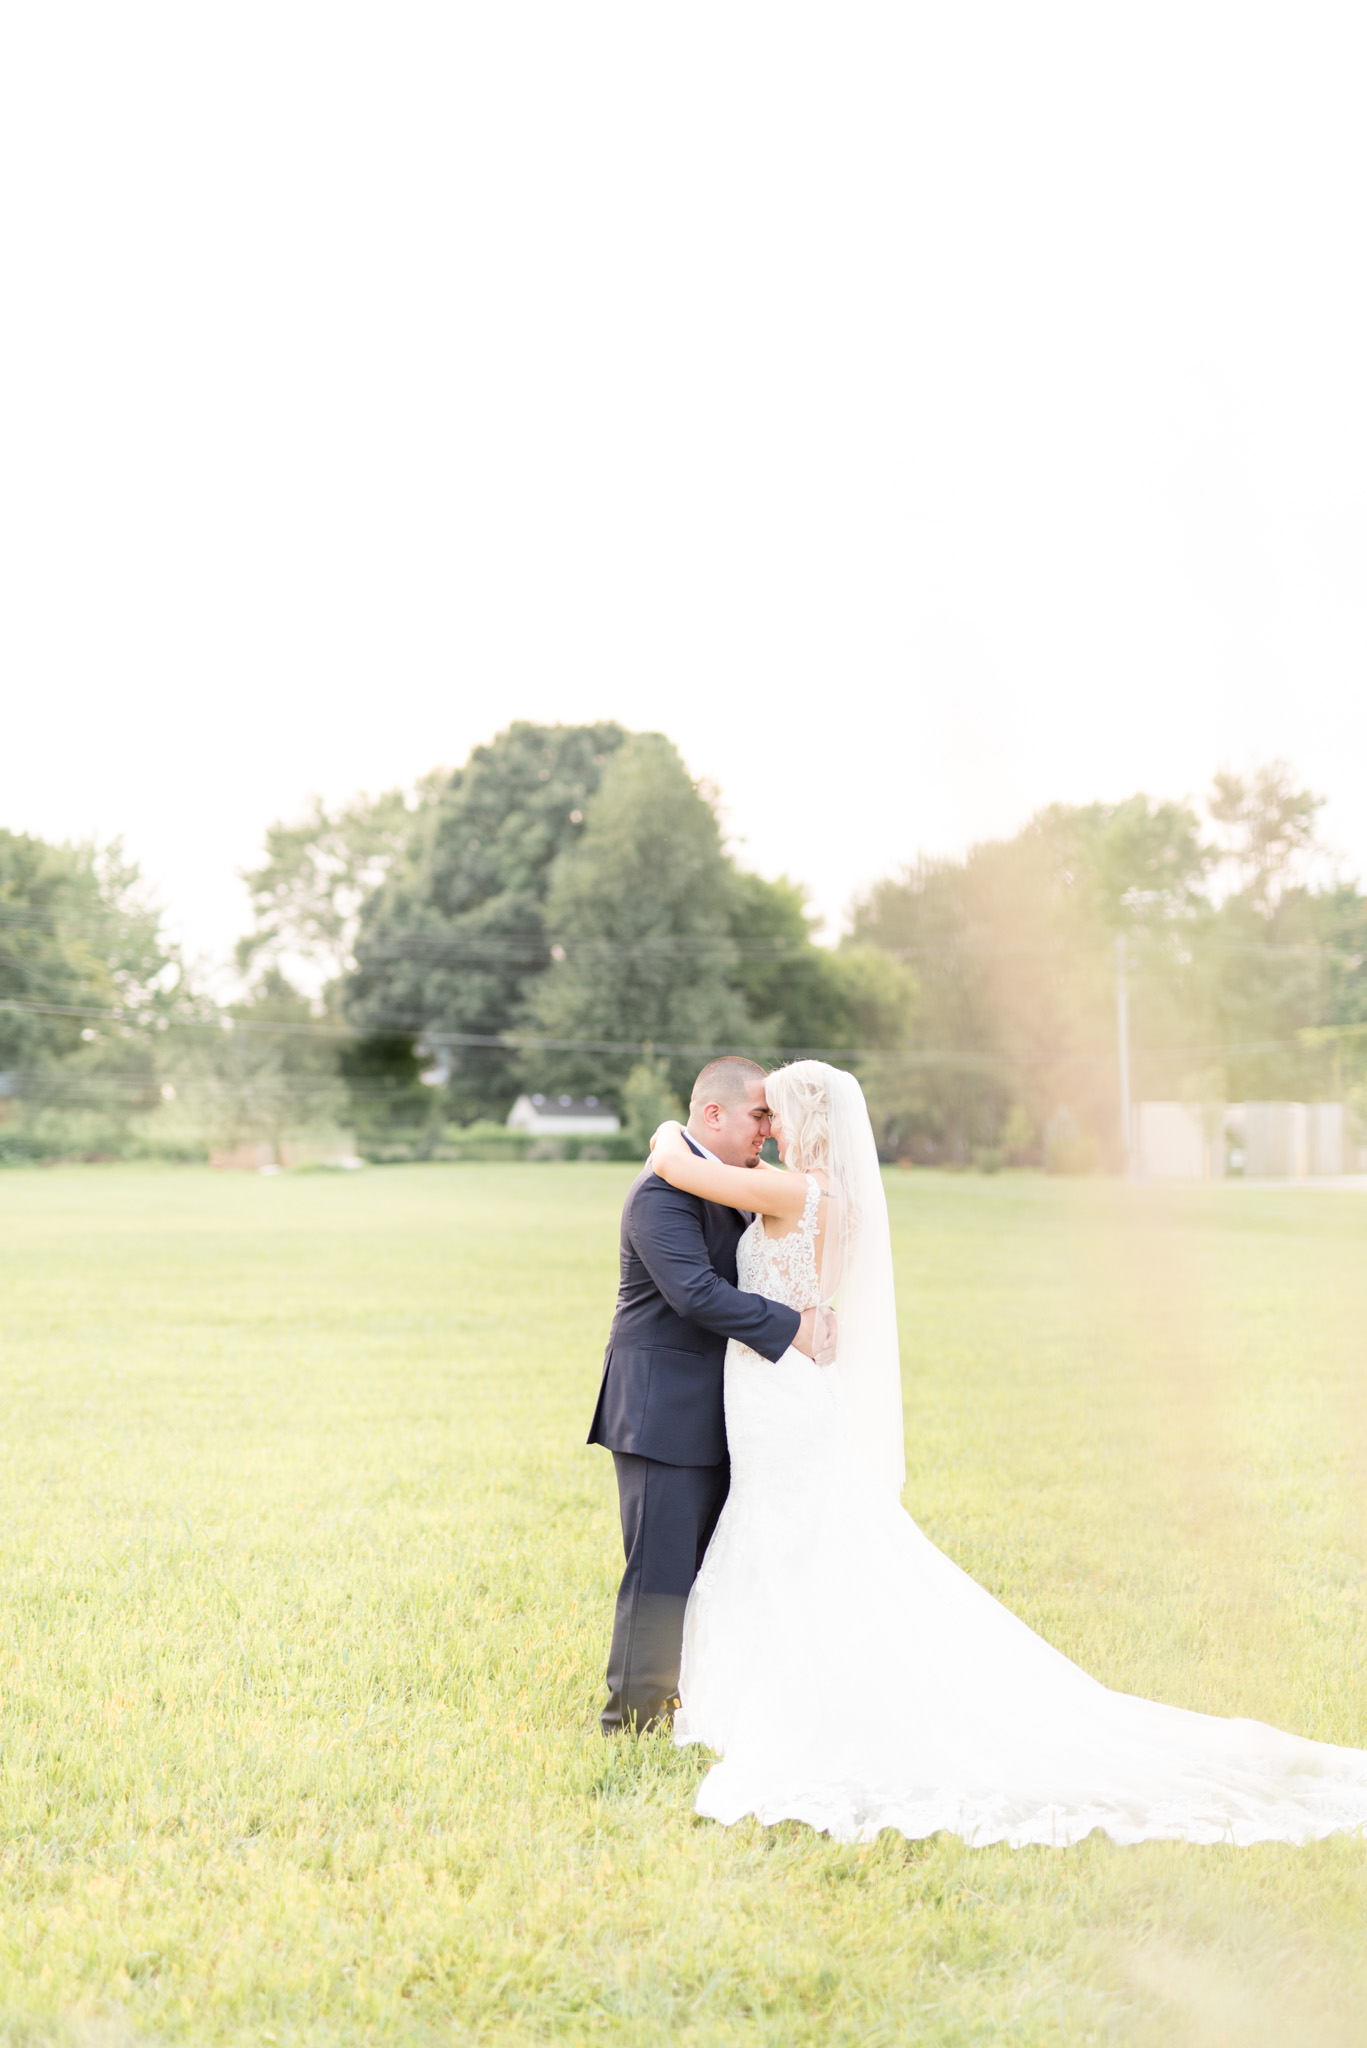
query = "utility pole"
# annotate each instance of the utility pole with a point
(1122, 1032)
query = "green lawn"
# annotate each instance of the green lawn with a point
(308, 1578)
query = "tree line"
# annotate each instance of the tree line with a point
(561, 913)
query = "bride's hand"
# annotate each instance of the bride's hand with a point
(817, 1335)
(668, 1130)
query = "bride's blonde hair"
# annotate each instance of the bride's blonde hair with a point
(797, 1096)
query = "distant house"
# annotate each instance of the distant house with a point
(563, 1116)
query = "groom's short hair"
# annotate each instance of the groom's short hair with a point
(727, 1081)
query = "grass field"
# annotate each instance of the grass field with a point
(308, 1579)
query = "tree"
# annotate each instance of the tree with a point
(791, 987)
(805, 998)
(640, 908)
(1261, 995)
(308, 894)
(647, 1101)
(1013, 951)
(1341, 918)
(1281, 969)
(88, 983)
(1285, 994)
(1269, 829)
(461, 936)
(457, 937)
(878, 999)
(1139, 864)
(267, 1073)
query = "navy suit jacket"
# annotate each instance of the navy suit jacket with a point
(677, 1304)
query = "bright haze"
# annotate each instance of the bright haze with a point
(920, 413)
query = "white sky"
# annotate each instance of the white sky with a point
(918, 411)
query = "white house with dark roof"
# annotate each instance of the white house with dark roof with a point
(563, 1116)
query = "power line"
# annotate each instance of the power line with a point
(538, 950)
(516, 1041)
(504, 1041)
(511, 948)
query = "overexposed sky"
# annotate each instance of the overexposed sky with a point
(920, 412)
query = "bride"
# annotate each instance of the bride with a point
(846, 1672)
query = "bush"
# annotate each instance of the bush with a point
(620, 1146)
(483, 1139)
(1018, 1140)
(42, 1132)
(1067, 1147)
(648, 1101)
(489, 1141)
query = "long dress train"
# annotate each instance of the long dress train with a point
(852, 1677)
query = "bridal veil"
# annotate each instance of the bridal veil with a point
(856, 1275)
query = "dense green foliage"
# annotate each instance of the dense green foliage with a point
(308, 1576)
(457, 937)
(267, 1074)
(403, 945)
(647, 1102)
(807, 998)
(563, 910)
(639, 908)
(1246, 981)
(571, 884)
(319, 872)
(1013, 952)
(88, 984)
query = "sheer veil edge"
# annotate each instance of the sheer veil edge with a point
(857, 1278)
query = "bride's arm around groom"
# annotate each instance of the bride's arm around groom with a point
(660, 1408)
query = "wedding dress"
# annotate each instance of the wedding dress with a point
(852, 1677)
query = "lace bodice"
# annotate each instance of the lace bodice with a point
(783, 1268)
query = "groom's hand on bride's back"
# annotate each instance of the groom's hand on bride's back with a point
(816, 1335)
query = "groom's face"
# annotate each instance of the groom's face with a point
(736, 1131)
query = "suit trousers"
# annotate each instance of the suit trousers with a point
(668, 1515)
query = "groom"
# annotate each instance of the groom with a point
(660, 1405)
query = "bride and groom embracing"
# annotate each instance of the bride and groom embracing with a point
(778, 1603)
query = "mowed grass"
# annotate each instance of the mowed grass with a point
(308, 1577)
